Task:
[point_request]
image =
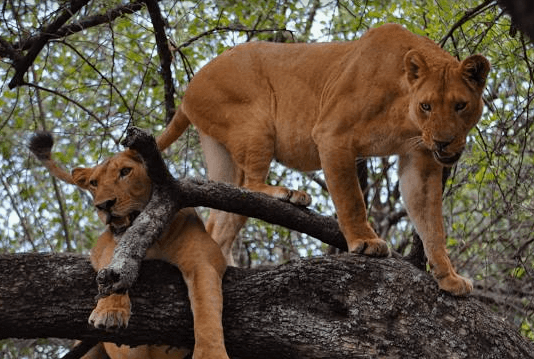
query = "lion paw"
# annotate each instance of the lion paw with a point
(110, 320)
(456, 284)
(374, 247)
(111, 313)
(299, 198)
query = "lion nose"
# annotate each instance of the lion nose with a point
(442, 145)
(106, 205)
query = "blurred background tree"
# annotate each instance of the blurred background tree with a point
(103, 74)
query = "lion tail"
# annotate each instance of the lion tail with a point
(41, 146)
(174, 129)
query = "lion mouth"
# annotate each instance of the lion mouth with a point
(445, 159)
(118, 224)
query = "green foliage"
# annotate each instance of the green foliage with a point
(88, 87)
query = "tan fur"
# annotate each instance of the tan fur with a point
(323, 105)
(121, 187)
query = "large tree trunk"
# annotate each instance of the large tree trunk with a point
(346, 306)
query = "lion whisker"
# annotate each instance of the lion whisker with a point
(414, 143)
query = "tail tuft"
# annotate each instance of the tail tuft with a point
(41, 145)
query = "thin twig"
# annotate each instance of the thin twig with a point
(57, 191)
(68, 99)
(109, 82)
(23, 222)
(237, 28)
(469, 14)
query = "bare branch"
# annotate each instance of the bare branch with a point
(23, 64)
(165, 56)
(68, 99)
(311, 18)
(86, 23)
(469, 14)
(170, 195)
(522, 12)
(55, 30)
(9, 51)
(237, 28)
(111, 84)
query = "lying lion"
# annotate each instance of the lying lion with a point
(323, 105)
(121, 188)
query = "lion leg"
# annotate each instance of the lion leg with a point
(253, 157)
(143, 352)
(205, 293)
(255, 181)
(339, 167)
(247, 168)
(202, 265)
(420, 184)
(255, 160)
(222, 226)
(96, 352)
(111, 312)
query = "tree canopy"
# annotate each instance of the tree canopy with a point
(87, 69)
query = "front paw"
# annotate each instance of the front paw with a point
(374, 247)
(455, 284)
(111, 313)
(299, 198)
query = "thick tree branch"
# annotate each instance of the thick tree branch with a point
(86, 23)
(7, 50)
(165, 56)
(522, 12)
(24, 63)
(197, 192)
(55, 30)
(345, 306)
(170, 195)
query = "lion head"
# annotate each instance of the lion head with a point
(120, 185)
(445, 101)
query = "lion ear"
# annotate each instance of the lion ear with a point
(414, 65)
(81, 176)
(475, 70)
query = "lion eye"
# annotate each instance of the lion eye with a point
(93, 183)
(425, 107)
(460, 106)
(125, 171)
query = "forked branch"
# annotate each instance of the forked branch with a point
(170, 195)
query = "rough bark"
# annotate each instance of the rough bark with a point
(170, 195)
(344, 306)
(522, 12)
